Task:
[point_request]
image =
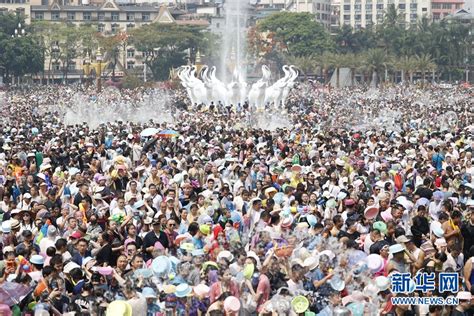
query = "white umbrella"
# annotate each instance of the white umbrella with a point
(149, 132)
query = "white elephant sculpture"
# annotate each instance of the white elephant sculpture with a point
(219, 90)
(257, 91)
(274, 93)
(289, 85)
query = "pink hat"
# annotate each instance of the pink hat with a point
(371, 212)
(349, 202)
(231, 304)
(201, 290)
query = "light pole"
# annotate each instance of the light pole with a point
(98, 58)
(153, 53)
(87, 68)
(19, 32)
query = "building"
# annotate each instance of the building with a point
(363, 13)
(469, 6)
(320, 8)
(21, 7)
(443, 8)
(110, 19)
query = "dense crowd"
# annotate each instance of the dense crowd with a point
(186, 209)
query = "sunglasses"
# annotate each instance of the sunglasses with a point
(171, 225)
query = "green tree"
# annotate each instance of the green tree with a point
(299, 33)
(423, 64)
(305, 64)
(168, 46)
(18, 55)
(375, 61)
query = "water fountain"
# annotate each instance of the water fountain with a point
(232, 87)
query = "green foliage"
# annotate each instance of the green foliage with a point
(168, 44)
(18, 55)
(417, 49)
(299, 33)
(131, 81)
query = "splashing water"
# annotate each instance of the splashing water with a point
(111, 106)
(270, 121)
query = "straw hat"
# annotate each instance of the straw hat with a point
(119, 308)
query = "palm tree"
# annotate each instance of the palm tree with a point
(424, 63)
(305, 64)
(406, 65)
(353, 61)
(375, 61)
(338, 62)
(325, 62)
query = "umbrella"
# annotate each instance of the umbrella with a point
(149, 132)
(11, 293)
(168, 133)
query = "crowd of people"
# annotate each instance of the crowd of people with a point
(186, 209)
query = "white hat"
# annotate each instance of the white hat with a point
(382, 283)
(70, 266)
(311, 263)
(225, 255)
(464, 296)
(396, 248)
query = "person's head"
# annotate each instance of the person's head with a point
(137, 262)
(131, 249)
(456, 216)
(131, 230)
(103, 238)
(72, 223)
(81, 246)
(57, 263)
(171, 224)
(122, 262)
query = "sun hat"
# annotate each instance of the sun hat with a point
(253, 255)
(104, 270)
(402, 239)
(6, 227)
(119, 308)
(187, 246)
(231, 304)
(146, 273)
(440, 242)
(169, 288)
(464, 296)
(380, 226)
(396, 248)
(371, 212)
(311, 262)
(287, 222)
(15, 224)
(299, 304)
(225, 254)
(248, 271)
(341, 195)
(356, 308)
(382, 283)
(201, 290)
(438, 231)
(37, 259)
(311, 219)
(183, 290)
(8, 249)
(374, 262)
(161, 265)
(70, 266)
(337, 284)
(148, 292)
(328, 253)
(205, 229)
(138, 204)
